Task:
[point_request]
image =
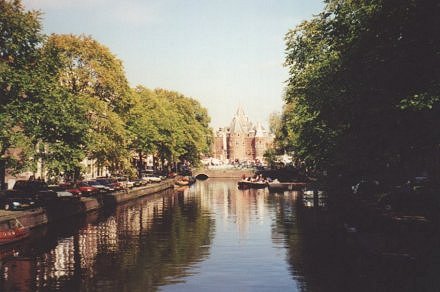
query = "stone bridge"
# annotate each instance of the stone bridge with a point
(223, 172)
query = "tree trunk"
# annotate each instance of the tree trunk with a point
(140, 165)
(155, 163)
(76, 173)
(162, 162)
(2, 174)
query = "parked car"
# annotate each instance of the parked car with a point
(86, 189)
(153, 178)
(145, 179)
(129, 184)
(108, 183)
(36, 190)
(117, 184)
(125, 182)
(17, 204)
(99, 186)
(139, 182)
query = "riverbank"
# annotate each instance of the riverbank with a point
(224, 172)
(64, 208)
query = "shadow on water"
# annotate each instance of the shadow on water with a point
(132, 247)
(327, 255)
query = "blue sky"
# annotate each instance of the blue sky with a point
(224, 53)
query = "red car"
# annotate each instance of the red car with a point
(86, 189)
(82, 187)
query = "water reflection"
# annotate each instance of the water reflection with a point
(214, 237)
(245, 254)
(140, 246)
(327, 255)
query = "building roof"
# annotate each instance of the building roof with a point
(260, 131)
(240, 123)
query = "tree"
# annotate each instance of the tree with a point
(190, 131)
(86, 67)
(363, 93)
(274, 122)
(90, 72)
(40, 120)
(144, 121)
(168, 125)
(56, 123)
(19, 40)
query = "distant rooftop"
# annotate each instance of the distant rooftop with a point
(241, 124)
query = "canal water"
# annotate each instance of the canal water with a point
(214, 237)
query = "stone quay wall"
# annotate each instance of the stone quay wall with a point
(67, 207)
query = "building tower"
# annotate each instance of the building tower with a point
(238, 131)
(241, 140)
(260, 142)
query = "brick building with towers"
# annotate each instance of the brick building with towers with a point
(242, 140)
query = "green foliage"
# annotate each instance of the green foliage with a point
(90, 72)
(86, 67)
(363, 93)
(144, 121)
(189, 126)
(34, 109)
(271, 157)
(59, 124)
(108, 138)
(19, 41)
(169, 124)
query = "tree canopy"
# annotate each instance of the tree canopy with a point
(363, 93)
(88, 68)
(169, 125)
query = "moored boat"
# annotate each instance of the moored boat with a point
(12, 230)
(185, 181)
(245, 184)
(181, 182)
(286, 186)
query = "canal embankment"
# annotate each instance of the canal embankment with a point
(224, 172)
(66, 207)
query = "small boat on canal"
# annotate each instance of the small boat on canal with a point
(246, 184)
(11, 231)
(185, 181)
(181, 183)
(286, 186)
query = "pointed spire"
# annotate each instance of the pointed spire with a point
(240, 111)
(240, 123)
